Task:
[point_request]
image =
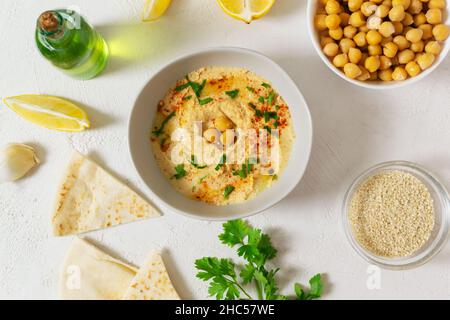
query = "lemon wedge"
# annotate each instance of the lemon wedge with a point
(49, 112)
(246, 10)
(153, 9)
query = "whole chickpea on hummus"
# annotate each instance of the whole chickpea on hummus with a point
(217, 106)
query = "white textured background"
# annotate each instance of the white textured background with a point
(354, 129)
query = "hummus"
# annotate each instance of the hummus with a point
(241, 126)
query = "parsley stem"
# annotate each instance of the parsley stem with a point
(243, 290)
(258, 289)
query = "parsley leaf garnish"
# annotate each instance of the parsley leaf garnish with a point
(265, 85)
(251, 89)
(222, 161)
(187, 98)
(195, 163)
(159, 131)
(261, 99)
(205, 101)
(270, 115)
(228, 190)
(179, 172)
(258, 112)
(257, 249)
(246, 168)
(233, 93)
(315, 292)
(271, 98)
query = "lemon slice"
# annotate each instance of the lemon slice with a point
(153, 9)
(49, 112)
(246, 10)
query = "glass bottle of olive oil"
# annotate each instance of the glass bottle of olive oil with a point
(65, 39)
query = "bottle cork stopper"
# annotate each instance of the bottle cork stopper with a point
(48, 21)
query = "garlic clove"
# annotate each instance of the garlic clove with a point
(16, 160)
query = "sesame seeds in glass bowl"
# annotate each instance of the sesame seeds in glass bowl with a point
(396, 215)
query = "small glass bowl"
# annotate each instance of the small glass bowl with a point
(438, 237)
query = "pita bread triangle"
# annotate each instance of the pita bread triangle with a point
(90, 274)
(151, 282)
(89, 198)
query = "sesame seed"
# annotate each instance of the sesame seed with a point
(391, 214)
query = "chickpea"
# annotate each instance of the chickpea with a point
(397, 13)
(368, 8)
(408, 20)
(344, 18)
(211, 135)
(364, 28)
(340, 60)
(387, 3)
(320, 22)
(350, 32)
(385, 75)
(404, 3)
(228, 138)
(399, 74)
(375, 1)
(386, 40)
(354, 5)
(332, 21)
(427, 31)
(372, 63)
(415, 7)
(336, 34)
(382, 11)
(390, 49)
(364, 56)
(426, 60)
(405, 56)
(356, 19)
(420, 19)
(374, 22)
(436, 4)
(441, 32)
(401, 42)
(414, 35)
(332, 7)
(412, 68)
(398, 27)
(354, 55)
(387, 29)
(417, 46)
(374, 76)
(385, 63)
(345, 45)
(331, 49)
(375, 50)
(373, 37)
(360, 39)
(325, 40)
(365, 75)
(434, 16)
(223, 123)
(433, 47)
(352, 71)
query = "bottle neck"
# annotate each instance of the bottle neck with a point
(51, 26)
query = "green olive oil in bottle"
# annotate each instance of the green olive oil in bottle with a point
(65, 39)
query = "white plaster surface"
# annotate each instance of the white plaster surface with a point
(354, 129)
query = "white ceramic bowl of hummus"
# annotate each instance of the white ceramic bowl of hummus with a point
(145, 109)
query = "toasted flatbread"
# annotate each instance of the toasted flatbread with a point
(90, 274)
(89, 198)
(152, 282)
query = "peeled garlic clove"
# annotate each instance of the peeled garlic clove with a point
(15, 161)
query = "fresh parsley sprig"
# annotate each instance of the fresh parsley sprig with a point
(256, 248)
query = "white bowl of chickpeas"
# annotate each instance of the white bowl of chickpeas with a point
(380, 44)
